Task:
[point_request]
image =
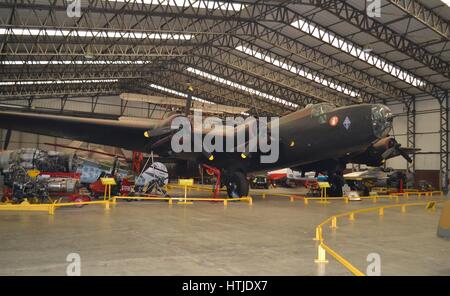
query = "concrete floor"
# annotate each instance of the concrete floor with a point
(272, 237)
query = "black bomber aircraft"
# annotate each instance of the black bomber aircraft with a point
(319, 138)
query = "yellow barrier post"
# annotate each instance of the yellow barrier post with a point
(374, 199)
(431, 206)
(185, 183)
(263, 196)
(346, 200)
(305, 200)
(403, 209)
(107, 183)
(351, 217)
(291, 198)
(381, 212)
(334, 222)
(225, 202)
(318, 234)
(323, 192)
(321, 255)
(51, 209)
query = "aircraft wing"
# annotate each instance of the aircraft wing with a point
(126, 134)
(136, 135)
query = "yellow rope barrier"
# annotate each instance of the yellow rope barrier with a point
(322, 248)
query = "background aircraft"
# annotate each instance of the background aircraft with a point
(317, 138)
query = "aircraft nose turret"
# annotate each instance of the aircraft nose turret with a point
(382, 118)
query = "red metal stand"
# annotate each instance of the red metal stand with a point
(212, 170)
(137, 159)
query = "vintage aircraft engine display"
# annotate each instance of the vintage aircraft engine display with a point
(153, 179)
(15, 164)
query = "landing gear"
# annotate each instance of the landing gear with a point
(237, 185)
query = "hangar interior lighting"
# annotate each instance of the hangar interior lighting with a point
(58, 81)
(306, 73)
(205, 4)
(240, 87)
(55, 62)
(356, 51)
(177, 93)
(92, 33)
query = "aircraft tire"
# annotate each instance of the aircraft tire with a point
(237, 185)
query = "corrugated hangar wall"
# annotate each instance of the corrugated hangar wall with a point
(427, 134)
(427, 138)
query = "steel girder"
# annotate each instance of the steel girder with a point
(411, 132)
(239, 70)
(243, 74)
(270, 11)
(341, 69)
(352, 15)
(75, 73)
(176, 79)
(142, 13)
(425, 15)
(428, 87)
(78, 89)
(444, 139)
(232, 41)
(281, 78)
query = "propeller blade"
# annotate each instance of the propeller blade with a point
(161, 142)
(7, 139)
(394, 151)
(388, 153)
(157, 132)
(405, 155)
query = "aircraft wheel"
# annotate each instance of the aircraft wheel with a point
(237, 185)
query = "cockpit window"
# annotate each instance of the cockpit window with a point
(320, 111)
(381, 120)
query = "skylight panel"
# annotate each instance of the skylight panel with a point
(36, 82)
(304, 73)
(356, 51)
(93, 34)
(177, 93)
(241, 87)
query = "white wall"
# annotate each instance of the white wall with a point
(427, 137)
